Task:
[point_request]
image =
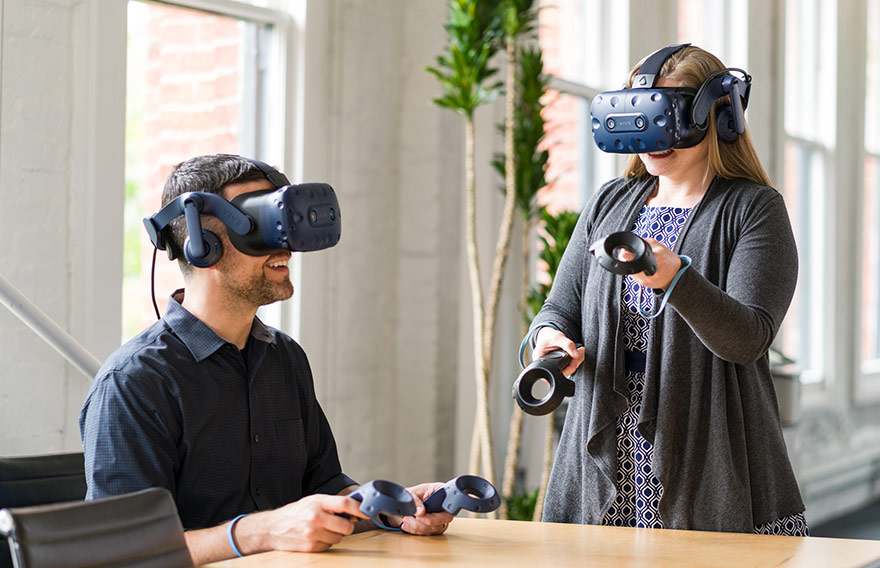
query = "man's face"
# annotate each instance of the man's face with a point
(254, 280)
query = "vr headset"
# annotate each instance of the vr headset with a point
(646, 118)
(297, 218)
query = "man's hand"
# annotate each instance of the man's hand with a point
(423, 523)
(312, 524)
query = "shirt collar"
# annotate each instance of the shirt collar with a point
(200, 339)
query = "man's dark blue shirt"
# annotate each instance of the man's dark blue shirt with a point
(227, 432)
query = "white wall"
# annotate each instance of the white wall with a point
(60, 150)
(379, 310)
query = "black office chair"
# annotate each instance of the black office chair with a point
(37, 480)
(139, 529)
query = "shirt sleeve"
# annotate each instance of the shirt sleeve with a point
(127, 443)
(561, 310)
(738, 321)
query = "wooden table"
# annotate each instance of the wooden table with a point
(509, 544)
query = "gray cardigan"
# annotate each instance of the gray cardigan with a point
(709, 406)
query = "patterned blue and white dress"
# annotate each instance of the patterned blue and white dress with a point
(638, 491)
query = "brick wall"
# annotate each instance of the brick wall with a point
(184, 99)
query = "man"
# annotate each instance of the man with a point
(220, 409)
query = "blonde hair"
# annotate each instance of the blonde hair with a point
(689, 67)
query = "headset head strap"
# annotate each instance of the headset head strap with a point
(649, 70)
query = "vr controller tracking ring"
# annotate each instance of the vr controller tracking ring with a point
(548, 368)
(609, 249)
(468, 492)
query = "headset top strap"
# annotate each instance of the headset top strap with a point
(651, 67)
(277, 178)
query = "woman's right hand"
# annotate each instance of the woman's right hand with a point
(549, 339)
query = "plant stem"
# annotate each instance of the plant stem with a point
(545, 471)
(481, 441)
(514, 440)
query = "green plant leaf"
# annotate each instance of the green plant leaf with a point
(555, 234)
(464, 70)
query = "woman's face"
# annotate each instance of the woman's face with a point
(680, 165)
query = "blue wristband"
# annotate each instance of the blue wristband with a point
(382, 523)
(229, 536)
(529, 339)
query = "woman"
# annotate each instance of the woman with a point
(674, 422)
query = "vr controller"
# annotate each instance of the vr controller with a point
(468, 492)
(380, 496)
(646, 118)
(609, 253)
(547, 368)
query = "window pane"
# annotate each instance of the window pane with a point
(810, 79)
(576, 34)
(870, 244)
(804, 193)
(718, 26)
(810, 69)
(193, 87)
(570, 35)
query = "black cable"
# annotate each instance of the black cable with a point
(153, 284)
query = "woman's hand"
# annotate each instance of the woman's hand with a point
(668, 264)
(549, 339)
(422, 522)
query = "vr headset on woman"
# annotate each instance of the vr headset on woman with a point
(646, 118)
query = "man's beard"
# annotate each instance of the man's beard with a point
(258, 290)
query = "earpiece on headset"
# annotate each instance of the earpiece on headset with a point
(730, 118)
(203, 255)
(724, 124)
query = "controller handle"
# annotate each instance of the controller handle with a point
(548, 368)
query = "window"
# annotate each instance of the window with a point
(869, 309)
(197, 83)
(810, 48)
(576, 54)
(718, 26)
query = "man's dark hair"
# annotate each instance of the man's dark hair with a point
(209, 174)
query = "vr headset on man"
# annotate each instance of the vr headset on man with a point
(298, 218)
(646, 118)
